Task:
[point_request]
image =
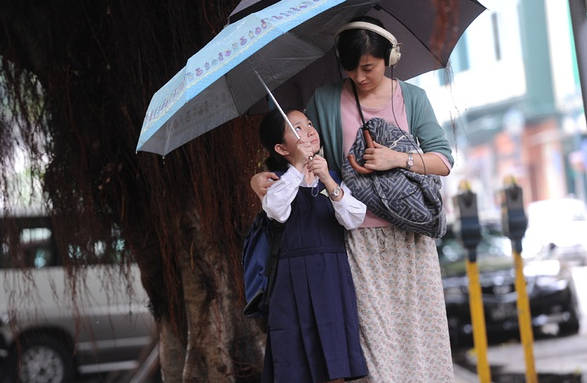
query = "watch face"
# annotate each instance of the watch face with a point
(410, 162)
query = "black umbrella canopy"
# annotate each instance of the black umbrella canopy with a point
(289, 45)
(427, 39)
(247, 7)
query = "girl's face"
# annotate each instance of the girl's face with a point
(369, 74)
(305, 130)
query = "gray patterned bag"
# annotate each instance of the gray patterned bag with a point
(409, 200)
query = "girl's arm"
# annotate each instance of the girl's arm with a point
(349, 211)
(278, 198)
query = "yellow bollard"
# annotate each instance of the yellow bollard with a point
(478, 322)
(525, 319)
(468, 229)
(514, 224)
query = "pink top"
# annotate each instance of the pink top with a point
(351, 122)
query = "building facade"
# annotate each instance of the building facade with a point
(511, 103)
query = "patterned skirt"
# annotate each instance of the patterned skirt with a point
(402, 315)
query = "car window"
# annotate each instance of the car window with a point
(495, 245)
(32, 247)
(30, 243)
(36, 248)
(99, 252)
(492, 244)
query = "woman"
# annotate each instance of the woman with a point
(313, 331)
(402, 315)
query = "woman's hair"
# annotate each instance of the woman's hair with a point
(271, 132)
(353, 44)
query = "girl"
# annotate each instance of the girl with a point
(313, 333)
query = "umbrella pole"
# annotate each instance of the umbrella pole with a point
(278, 107)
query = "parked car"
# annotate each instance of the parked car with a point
(54, 329)
(550, 286)
(557, 230)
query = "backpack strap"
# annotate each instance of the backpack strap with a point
(275, 232)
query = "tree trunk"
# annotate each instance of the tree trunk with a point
(207, 300)
(171, 353)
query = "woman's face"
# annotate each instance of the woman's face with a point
(305, 130)
(369, 74)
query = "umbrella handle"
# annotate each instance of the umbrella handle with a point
(353, 161)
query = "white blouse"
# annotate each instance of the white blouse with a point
(349, 211)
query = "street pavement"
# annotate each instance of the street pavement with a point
(463, 375)
(553, 356)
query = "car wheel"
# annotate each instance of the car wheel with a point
(42, 360)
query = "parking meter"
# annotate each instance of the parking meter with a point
(466, 225)
(513, 217)
(514, 223)
(468, 230)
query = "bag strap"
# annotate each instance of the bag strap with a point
(276, 231)
(358, 104)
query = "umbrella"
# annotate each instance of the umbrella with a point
(289, 43)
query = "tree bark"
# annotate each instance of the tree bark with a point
(171, 353)
(207, 300)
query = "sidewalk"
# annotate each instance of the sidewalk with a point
(462, 375)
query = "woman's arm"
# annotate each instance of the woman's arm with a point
(429, 163)
(261, 182)
(383, 158)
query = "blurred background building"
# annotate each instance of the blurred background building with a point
(512, 104)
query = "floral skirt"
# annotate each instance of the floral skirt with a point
(402, 315)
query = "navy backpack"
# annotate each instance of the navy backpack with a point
(259, 258)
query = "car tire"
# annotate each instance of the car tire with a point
(41, 359)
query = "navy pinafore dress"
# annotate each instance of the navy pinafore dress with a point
(313, 330)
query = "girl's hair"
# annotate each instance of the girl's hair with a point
(271, 132)
(353, 44)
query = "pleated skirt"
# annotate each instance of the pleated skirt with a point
(313, 330)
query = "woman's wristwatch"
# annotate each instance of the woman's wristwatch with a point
(410, 161)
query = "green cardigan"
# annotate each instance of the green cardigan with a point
(324, 111)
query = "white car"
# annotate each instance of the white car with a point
(557, 229)
(55, 329)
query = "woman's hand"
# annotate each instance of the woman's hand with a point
(383, 158)
(263, 181)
